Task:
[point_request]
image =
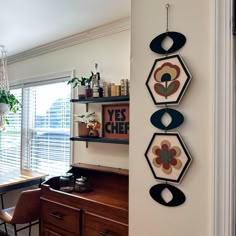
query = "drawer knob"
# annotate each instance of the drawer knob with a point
(105, 233)
(55, 215)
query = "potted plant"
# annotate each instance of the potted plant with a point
(81, 84)
(8, 102)
(85, 122)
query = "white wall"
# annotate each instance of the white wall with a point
(194, 20)
(112, 53)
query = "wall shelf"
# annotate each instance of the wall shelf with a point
(100, 140)
(102, 100)
(87, 101)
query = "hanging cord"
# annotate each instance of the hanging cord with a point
(167, 17)
(167, 22)
(4, 84)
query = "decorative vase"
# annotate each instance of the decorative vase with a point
(83, 131)
(93, 133)
(89, 92)
(82, 185)
(4, 109)
(82, 92)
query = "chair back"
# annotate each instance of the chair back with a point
(27, 208)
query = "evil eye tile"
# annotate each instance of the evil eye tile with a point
(177, 199)
(176, 118)
(178, 42)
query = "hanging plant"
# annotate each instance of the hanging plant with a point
(8, 101)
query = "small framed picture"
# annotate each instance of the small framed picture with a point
(115, 121)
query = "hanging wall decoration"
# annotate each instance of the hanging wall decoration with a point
(176, 119)
(8, 101)
(177, 38)
(168, 157)
(167, 154)
(168, 80)
(177, 199)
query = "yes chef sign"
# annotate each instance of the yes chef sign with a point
(115, 121)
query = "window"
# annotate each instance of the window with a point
(10, 140)
(41, 130)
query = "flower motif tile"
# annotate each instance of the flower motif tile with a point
(168, 157)
(168, 80)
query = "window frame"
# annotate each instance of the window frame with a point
(45, 80)
(223, 123)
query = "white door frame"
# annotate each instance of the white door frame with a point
(223, 123)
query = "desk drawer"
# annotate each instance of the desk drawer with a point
(60, 215)
(95, 225)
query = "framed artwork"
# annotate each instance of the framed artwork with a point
(168, 80)
(168, 157)
(115, 121)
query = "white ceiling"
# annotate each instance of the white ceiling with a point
(25, 24)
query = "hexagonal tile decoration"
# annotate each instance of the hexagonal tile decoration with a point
(168, 80)
(168, 157)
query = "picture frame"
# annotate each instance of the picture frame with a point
(115, 121)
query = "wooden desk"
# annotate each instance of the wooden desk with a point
(102, 210)
(15, 179)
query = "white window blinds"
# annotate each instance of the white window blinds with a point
(38, 136)
(10, 140)
(46, 128)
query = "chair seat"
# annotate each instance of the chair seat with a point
(7, 214)
(26, 211)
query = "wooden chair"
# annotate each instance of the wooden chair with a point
(26, 211)
(2, 205)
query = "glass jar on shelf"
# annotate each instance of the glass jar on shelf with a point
(67, 182)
